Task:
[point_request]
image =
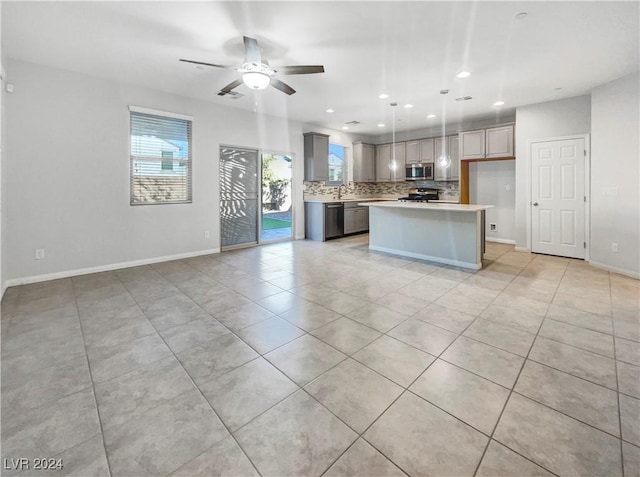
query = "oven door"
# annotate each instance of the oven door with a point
(428, 171)
(414, 172)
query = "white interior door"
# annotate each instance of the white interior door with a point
(558, 197)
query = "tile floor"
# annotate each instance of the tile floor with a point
(302, 358)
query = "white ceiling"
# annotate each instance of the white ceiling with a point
(410, 50)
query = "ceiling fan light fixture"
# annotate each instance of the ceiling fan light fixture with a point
(256, 80)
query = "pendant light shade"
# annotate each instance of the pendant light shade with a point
(393, 164)
(444, 160)
(256, 80)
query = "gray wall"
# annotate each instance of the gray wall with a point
(66, 173)
(615, 159)
(488, 183)
(541, 121)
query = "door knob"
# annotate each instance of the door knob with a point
(535, 204)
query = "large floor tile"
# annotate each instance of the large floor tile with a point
(362, 459)
(111, 361)
(580, 399)
(172, 311)
(627, 351)
(487, 361)
(354, 393)
(522, 303)
(504, 337)
(582, 338)
(164, 438)
(584, 319)
(346, 335)
(222, 459)
(517, 319)
(247, 391)
(628, 379)
(269, 334)
(310, 316)
(305, 358)
(131, 395)
(447, 318)
(631, 458)
(296, 437)
(438, 445)
(470, 398)
(401, 303)
(499, 461)
(282, 302)
(193, 334)
(216, 358)
(51, 428)
(557, 442)
(243, 316)
(394, 359)
(582, 299)
(630, 419)
(429, 338)
(377, 317)
(584, 364)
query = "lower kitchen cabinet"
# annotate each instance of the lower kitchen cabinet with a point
(356, 218)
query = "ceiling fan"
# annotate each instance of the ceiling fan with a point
(256, 72)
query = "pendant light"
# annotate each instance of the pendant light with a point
(393, 165)
(444, 160)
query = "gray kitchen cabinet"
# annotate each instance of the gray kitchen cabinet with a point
(400, 151)
(383, 156)
(364, 162)
(427, 153)
(316, 157)
(412, 152)
(499, 141)
(487, 143)
(451, 173)
(356, 218)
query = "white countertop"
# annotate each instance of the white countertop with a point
(429, 206)
(366, 199)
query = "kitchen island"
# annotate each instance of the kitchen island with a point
(446, 233)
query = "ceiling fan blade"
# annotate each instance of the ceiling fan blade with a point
(251, 50)
(209, 64)
(227, 89)
(284, 87)
(300, 70)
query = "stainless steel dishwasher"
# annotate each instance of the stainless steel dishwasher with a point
(333, 220)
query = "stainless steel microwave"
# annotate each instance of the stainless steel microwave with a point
(419, 172)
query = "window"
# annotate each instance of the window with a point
(336, 164)
(160, 157)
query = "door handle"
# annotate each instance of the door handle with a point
(535, 204)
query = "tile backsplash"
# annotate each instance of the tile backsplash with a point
(364, 190)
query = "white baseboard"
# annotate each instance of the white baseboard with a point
(621, 271)
(103, 268)
(300, 237)
(500, 240)
(522, 249)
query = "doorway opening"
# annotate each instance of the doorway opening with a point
(277, 216)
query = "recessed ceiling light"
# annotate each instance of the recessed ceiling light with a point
(383, 96)
(431, 116)
(329, 110)
(463, 74)
(408, 106)
(380, 125)
(345, 127)
(498, 103)
(521, 16)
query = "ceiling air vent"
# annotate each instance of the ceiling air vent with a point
(464, 98)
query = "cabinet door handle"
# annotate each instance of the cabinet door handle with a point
(535, 204)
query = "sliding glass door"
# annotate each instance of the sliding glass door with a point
(239, 189)
(276, 217)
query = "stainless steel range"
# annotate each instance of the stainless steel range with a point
(420, 194)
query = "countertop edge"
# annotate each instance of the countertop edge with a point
(429, 206)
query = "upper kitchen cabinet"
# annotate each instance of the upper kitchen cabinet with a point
(316, 157)
(500, 141)
(451, 173)
(399, 154)
(364, 162)
(487, 143)
(427, 153)
(412, 152)
(383, 156)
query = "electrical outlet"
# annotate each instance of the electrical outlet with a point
(39, 253)
(614, 247)
(206, 234)
(493, 227)
(507, 187)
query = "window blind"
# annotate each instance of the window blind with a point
(160, 159)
